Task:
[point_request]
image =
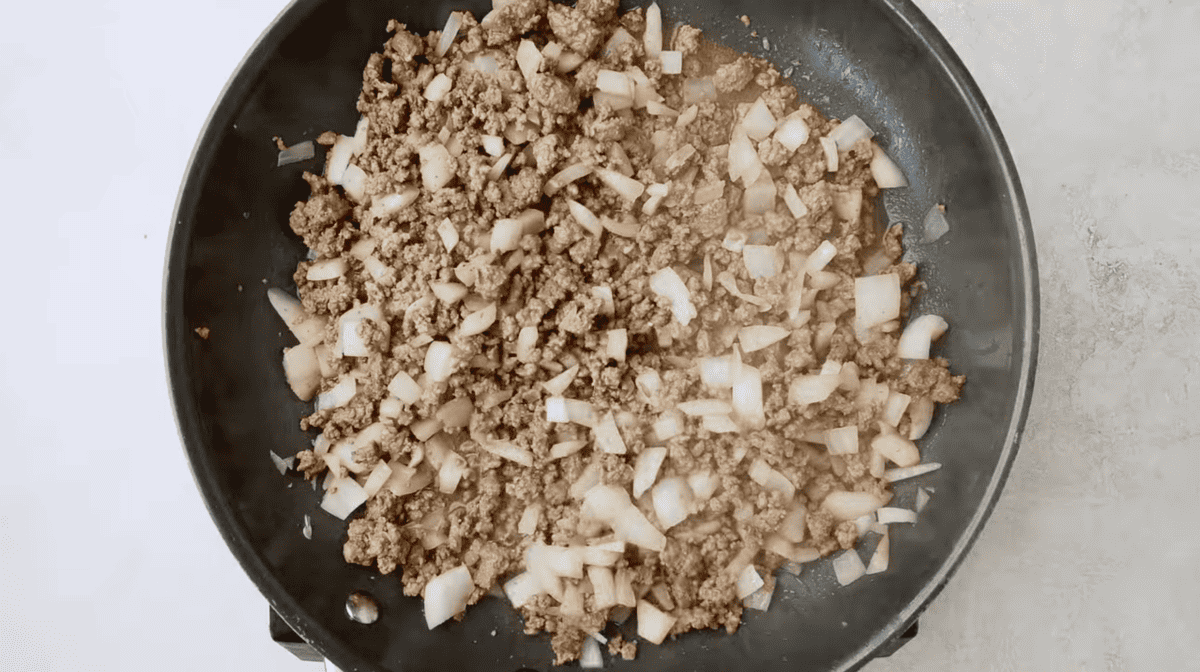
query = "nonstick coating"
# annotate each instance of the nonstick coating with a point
(230, 241)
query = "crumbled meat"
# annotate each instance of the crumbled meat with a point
(733, 77)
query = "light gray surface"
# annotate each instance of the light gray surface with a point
(108, 560)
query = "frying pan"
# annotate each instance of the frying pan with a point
(880, 59)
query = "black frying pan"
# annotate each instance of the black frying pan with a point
(880, 59)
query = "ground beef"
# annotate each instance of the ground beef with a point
(434, 264)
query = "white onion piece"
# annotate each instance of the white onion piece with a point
(935, 224)
(812, 389)
(440, 361)
(734, 240)
(893, 410)
(896, 448)
(455, 413)
(672, 63)
(568, 61)
(601, 557)
(847, 203)
(764, 475)
(585, 217)
(559, 384)
(296, 153)
(628, 188)
(448, 234)
(744, 164)
(529, 519)
(453, 468)
(529, 60)
(607, 437)
(338, 158)
(493, 145)
(437, 166)
(649, 384)
(604, 589)
(762, 261)
(792, 133)
(620, 36)
(719, 424)
(705, 407)
(885, 171)
(612, 100)
(920, 414)
(652, 624)
(349, 340)
(699, 90)
(645, 471)
(522, 588)
(339, 395)
(453, 23)
(748, 581)
(703, 484)
(863, 524)
(758, 122)
(667, 283)
(605, 294)
(446, 595)
(509, 451)
(717, 372)
(424, 429)
(552, 50)
(653, 37)
(760, 196)
(849, 132)
(559, 409)
(448, 293)
(792, 200)
(842, 440)
(844, 505)
(404, 388)
(615, 83)
(590, 658)
(848, 567)
(672, 500)
(919, 335)
(881, 556)
(506, 235)
(343, 496)
(655, 108)
(668, 426)
(901, 473)
(831, 154)
(281, 464)
(626, 228)
(526, 342)
(820, 257)
(308, 329)
(889, 515)
(793, 525)
(497, 170)
(604, 503)
(761, 598)
(565, 448)
(757, 337)
(876, 300)
(617, 344)
(747, 396)
(632, 526)
(922, 499)
(390, 408)
(302, 371)
(438, 88)
(390, 204)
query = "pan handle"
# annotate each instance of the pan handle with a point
(893, 645)
(283, 635)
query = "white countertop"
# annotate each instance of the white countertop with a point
(109, 561)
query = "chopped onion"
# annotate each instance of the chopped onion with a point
(744, 163)
(645, 471)
(296, 153)
(820, 257)
(668, 426)
(629, 188)
(757, 337)
(879, 559)
(448, 293)
(896, 448)
(404, 388)
(302, 370)
(509, 451)
(876, 300)
(604, 589)
(793, 525)
(831, 154)
(478, 321)
(717, 372)
(727, 281)
(919, 335)
(586, 218)
(559, 409)
(455, 413)
(308, 329)
(604, 503)
(747, 395)
(438, 88)
(920, 414)
(602, 557)
(672, 63)
(734, 241)
(935, 225)
(748, 581)
(615, 83)
(699, 90)
(493, 145)
(617, 344)
(812, 389)
(440, 361)
(792, 200)
(848, 567)
(559, 384)
(392, 203)
(762, 261)
(281, 464)
(552, 50)
(885, 171)
(568, 61)
(764, 475)
(590, 657)
(607, 437)
(649, 383)
(454, 467)
(842, 440)
(338, 159)
(448, 233)
(653, 37)
(605, 294)
(339, 395)
(453, 23)
(667, 283)
(922, 499)
(620, 36)
(893, 475)
(446, 595)
(522, 588)
(672, 501)
(390, 408)
(792, 133)
(849, 132)
(863, 524)
(703, 484)
(687, 116)
(760, 196)
(705, 407)
(437, 166)
(658, 109)
(529, 60)
(893, 410)
(343, 496)
(626, 228)
(847, 203)
(761, 598)
(707, 277)
(844, 505)
(612, 100)
(719, 424)
(758, 122)
(497, 170)
(889, 515)
(506, 235)
(425, 428)
(632, 526)
(529, 519)
(565, 448)
(652, 624)
(526, 342)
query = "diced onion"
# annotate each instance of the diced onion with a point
(922, 499)
(565, 448)
(876, 300)
(529, 60)
(668, 426)
(568, 61)
(920, 414)
(343, 496)
(446, 595)
(615, 83)
(762, 261)
(764, 475)
(586, 218)
(614, 101)
(847, 203)
(792, 527)
(478, 321)
(844, 505)
(653, 37)
(559, 409)
(506, 235)
(885, 171)
(645, 471)
(831, 154)
(820, 257)
(666, 283)
(454, 467)
(439, 361)
(619, 37)
(672, 499)
(748, 581)
(757, 337)
(448, 293)
(559, 384)
(522, 588)
(744, 164)
(717, 372)
(404, 388)
(448, 233)
(455, 413)
(896, 448)
(509, 451)
(760, 196)
(281, 464)
(761, 598)
(792, 200)
(529, 519)
(605, 294)
(812, 389)
(672, 63)
(339, 395)
(308, 329)
(526, 342)
(919, 335)
(842, 440)
(338, 158)
(759, 122)
(296, 153)
(849, 132)
(652, 624)
(493, 145)
(879, 559)
(703, 484)
(626, 227)
(632, 526)
(792, 133)
(302, 370)
(453, 23)
(437, 166)
(893, 410)
(848, 567)
(617, 344)
(893, 475)
(607, 437)
(935, 224)
(705, 407)
(438, 88)
(497, 170)
(629, 188)
(591, 658)
(889, 515)
(747, 396)
(719, 424)
(658, 109)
